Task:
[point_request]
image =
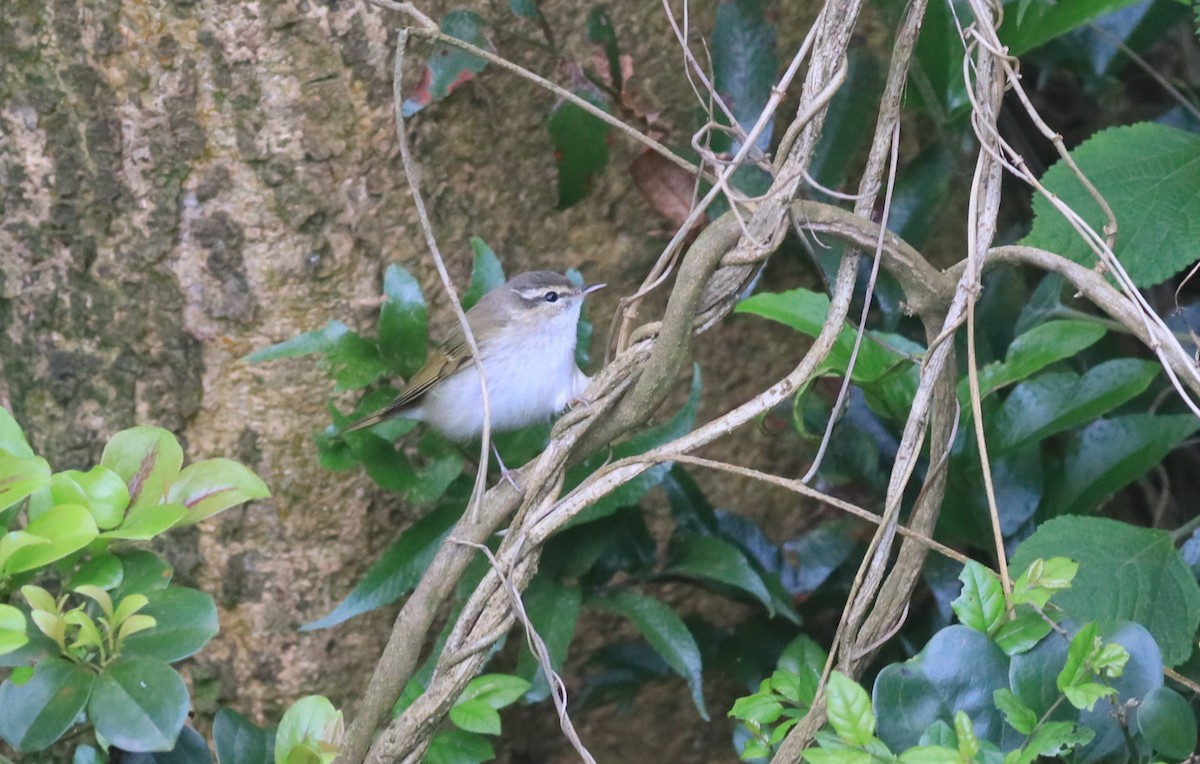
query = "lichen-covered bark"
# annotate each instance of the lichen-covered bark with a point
(184, 182)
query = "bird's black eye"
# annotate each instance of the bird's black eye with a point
(550, 296)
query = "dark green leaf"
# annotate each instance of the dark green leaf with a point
(398, 568)
(354, 362)
(1056, 401)
(185, 620)
(631, 491)
(981, 604)
(710, 558)
(665, 632)
(1148, 174)
(804, 659)
(35, 714)
(319, 341)
(145, 572)
(459, 747)
(139, 704)
(848, 122)
(1033, 351)
(486, 272)
(1109, 454)
(1166, 721)
(1125, 573)
(580, 147)
(744, 65)
(147, 459)
(402, 322)
(600, 32)
(214, 485)
(921, 192)
(526, 9)
(1039, 23)
(239, 741)
(448, 66)
(190, 748)
(553, 609)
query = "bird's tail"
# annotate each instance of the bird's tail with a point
(373, 419)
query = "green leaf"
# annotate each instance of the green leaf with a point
(744, 66)
(580, 147)
(553, 609)
(319, 341)
(38, 712)
(981, 603)
(1148, 174)
(600, 32)
(804, 659)
(185, 620)
(1043, 579)
(449, 67)
(1109, 454)
(239, 741)
(67, 527)
(849, 709)
(806, 312)
(403, 331)
(12, 439)
(459, 747)
(21, 476)
(711, 558)
(147, 521)
(1039, 23)
(397, 570)
(147, 459)
(311, 720)
(139, 704)
(214, 485)
(631, 492)
(526, 9)
(486, 272)
(496, 690)
(475, 716)
(190, 748)
(930, 754)
(105, 494)
(1125, 573)
(1056, 738)
(1018, 715)
(761, 708)
(1166, 720)
(144, 572)
(12, 629)
(1057, 401)
(103, 571)
(837, 756)
(665, 632)
(1034, 350)
(1023, 632)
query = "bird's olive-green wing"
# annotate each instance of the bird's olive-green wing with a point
(443, 361)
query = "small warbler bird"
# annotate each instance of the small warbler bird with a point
(525, 330)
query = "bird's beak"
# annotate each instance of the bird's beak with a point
(593, 288)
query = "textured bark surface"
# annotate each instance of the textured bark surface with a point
(182, 183)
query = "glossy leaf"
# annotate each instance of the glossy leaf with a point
(1053, 402)
(711, 558)
(580, 147)
(239, 741)
(981, 604)
(144, 572)
(1109, 454)
(38, 712)
(12, 439)
(105, 494)
(1125, 573)
(12, 629)
(397, 570)
(147, 521)
(103, 570)
(1129, 165)
(496, 690)
(311, 721)
(318, 341)
(1023, 632)
(849, 710)
(459, 747)
(1034, 350)
(1166, 720)
(214, 485)
(139, 704)
(402, 329)
(486, 272)
(190, 748)
(553, 609)
(21, 476)
(449, 67)
(744, 65)
(665, 632)
(185, 620)
(1038, 23)
(67, 527)
(475, 716)
(147, 459)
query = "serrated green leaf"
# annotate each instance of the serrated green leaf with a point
(147, 459)
(449, 67)
(1148, 173)
(665, 632)
(403, 331)
(214, 485)
(981, 603)
(1109, 454)
(849, 710)
(1018, 715)
(580, 147)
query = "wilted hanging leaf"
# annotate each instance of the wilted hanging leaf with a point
(668, 187)
(580, 147)
(448, 67)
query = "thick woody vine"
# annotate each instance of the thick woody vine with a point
(648, 360)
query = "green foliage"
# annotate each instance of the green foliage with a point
(449, 67)
(309, 732)
(1128, 166)
(1036, 23)
(580, 146)
(100, 648)
(783, 697)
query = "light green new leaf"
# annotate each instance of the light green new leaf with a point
(12, 629)
(147, 521)
(147, 459)
(496, 690)
(104, 493)
(849, 710)
(21, 476)
(403, 332)
(68, 528)
(214, 485)
(475, 716)
(981, 603)
(312, 721)
(12, 440)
